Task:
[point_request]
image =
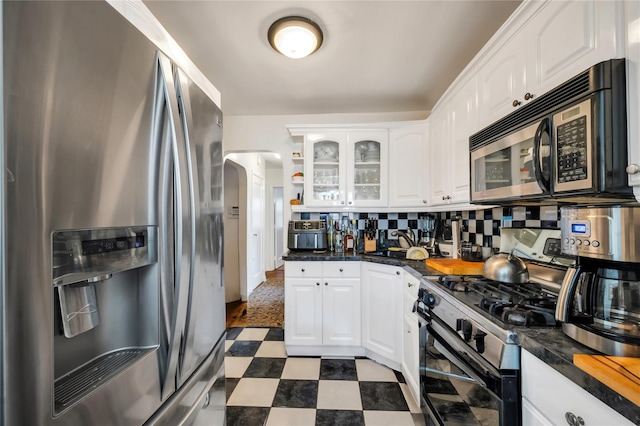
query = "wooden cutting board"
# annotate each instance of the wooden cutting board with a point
(622, 374)
(456, 266)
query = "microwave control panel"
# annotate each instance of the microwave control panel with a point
(572, 130)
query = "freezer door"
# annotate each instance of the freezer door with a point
(201, 123)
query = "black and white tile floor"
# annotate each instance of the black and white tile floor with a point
(265, 387)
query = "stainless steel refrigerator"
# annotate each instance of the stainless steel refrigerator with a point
(112, 297)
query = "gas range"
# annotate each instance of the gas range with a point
(486, 314)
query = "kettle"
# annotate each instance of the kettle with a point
(506, 268)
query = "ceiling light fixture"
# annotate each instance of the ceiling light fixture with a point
(295, 36)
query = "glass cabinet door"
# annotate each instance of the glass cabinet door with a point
(325, 171)
(366, 170)
(367, 181)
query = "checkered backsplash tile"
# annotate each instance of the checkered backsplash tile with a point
(478, 226)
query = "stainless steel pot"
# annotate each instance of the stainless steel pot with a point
(506, 268)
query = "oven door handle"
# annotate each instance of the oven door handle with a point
(450, 346)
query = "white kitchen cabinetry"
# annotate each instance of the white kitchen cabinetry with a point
(322, 308)
(410, 335)
(346, 168)
(545, 398)
(367, 168)
(633, 93)
(409, 165)
(558, 42)
(382, 313)
(451, 126)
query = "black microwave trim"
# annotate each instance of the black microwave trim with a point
(604, 75)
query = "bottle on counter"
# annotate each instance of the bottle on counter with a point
(348, 240)
(331, 236)
(338, 238)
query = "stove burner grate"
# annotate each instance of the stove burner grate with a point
(524, 304)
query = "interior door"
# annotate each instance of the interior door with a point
(255, 239)
(278, 218)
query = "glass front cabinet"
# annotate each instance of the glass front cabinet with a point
(346, 168)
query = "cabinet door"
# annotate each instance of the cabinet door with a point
(410, 354)
(367, 175)
(325, 169)
(546, 390)
(633, 94)
(438, 147)
(382, 316)
(502, 80)
(568, 37)
(303, 311)
(409, 165)
(341, 312)
(463, 123)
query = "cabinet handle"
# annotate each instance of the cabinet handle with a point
(410, 285)
(350, 202)
(326, 283)
(515, 103)
(573, 420)
(341, 269)
(302, 269)
(632, 169)
(444, 198)
(317, 284)
(409, 331)
(424, 201)
(341, 202)
(528, 96)
(397, 272)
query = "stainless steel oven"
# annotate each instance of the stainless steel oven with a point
(570, 143)
(468, 376)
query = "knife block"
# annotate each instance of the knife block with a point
(369, 245)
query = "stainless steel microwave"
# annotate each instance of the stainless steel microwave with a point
(568, 145)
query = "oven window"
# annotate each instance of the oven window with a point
(453, 397)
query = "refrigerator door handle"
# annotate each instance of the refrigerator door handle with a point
(174, 215)
(182, 93)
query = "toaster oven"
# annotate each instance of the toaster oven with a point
(307, 235)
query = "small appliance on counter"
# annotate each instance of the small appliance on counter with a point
(307, 235)
(599, 301)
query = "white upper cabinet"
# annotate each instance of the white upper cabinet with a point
(409, 166)
(451, 126)
(325, 168)
(633, 93)
(346, 168)
(367, 173)
(503, 80)
(560, 40)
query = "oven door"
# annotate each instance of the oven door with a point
(514, 166)
(459, 387)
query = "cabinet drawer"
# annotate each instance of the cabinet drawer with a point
(546, 390)
(341, 269)
(303, 269)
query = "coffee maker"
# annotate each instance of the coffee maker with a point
(599, 301)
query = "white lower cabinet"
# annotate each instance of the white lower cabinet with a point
(410, 335)
(322, 308)
(382, 313)
(549, 398)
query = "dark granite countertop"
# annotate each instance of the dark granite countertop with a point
(550, 345)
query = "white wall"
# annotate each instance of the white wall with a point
(268, 133)
(273, 179)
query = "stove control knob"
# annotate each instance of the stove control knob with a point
(466, 328)
(479, 338)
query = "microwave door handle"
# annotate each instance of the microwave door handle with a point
(543, 127)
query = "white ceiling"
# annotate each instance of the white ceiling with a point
(377, 56)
